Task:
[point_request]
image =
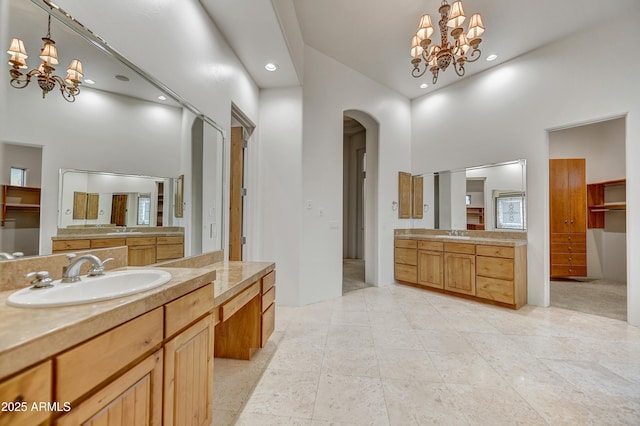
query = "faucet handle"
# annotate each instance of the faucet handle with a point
(70, 256)
(42, 280)
(95, 271)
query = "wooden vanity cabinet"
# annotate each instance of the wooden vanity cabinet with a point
(188, 377)
(135, 399)
(460, 268)
(142, 250)
(268, 307)
(405, 266)
(19, 393)
(431, 264)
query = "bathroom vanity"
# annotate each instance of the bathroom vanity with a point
(145, 358)
(488, 267)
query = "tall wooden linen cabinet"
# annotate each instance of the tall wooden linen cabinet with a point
(568, 217)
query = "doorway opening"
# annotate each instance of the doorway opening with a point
(353, 193)
(587, 218)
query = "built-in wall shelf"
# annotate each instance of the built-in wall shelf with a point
(19, 199)
(603, 197)
(475, 218)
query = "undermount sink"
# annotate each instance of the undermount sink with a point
(457, 237)
(111, 285)
(124, 233)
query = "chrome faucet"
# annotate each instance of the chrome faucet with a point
(71, 272)
(6, 256)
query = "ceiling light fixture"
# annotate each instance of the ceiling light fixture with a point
(492, 57)
(438, 58)
(162, 98)
(69, 87)
(424, 85)
(271, 67)
(89, 81)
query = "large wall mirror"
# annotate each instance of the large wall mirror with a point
(489, 197)
(124, 125)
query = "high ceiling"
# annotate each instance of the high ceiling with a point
(373, 36)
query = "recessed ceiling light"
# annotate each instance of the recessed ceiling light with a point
(271, 67)
(89, 81)
(122, 77)
(424, 85)
(492, 57)
(162, 98)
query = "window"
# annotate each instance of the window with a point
(510, 211)
(18, 176)
(144, 209)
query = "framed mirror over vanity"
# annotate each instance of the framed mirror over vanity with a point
(471, 239)
(123, 123)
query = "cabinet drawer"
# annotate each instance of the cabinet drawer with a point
(569, 248)
(268, 298)
(494, 267)
(34, 385)
(495, 289)
(460, 248)
(568, 271)
(430, 245)
(108, 242)
(578, 237)
(182, 312)
(575, 259)
(406, 273)
(235, 304)
(495, 251)
(405, 256)
(62, 245)
(406, 243)
(146, 241)
(169, 251)
(268, 324)
(179, 239)
(141, 255)
(268, 281)
(86, 366)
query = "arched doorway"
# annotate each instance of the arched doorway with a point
(360, 153)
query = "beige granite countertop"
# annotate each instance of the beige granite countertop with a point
(88, 236)
(30, 335)
(233, 276)
(507, 242)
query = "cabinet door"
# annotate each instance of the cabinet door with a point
(404, 195)
(430, 268)
(19, 392)
(188, 376)
(559, 199)
(141, 255)
(133, 399)
(576, 171)
(460, 273)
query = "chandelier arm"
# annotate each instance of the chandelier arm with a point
(475, 54)
(435, 76)
(419, 73)
(459, 67)
(20, 82)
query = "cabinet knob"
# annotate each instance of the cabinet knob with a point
(571, 220)
(569, 238)
(566, 221)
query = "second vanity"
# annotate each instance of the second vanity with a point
(484, 266)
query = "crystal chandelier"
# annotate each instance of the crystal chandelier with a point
(438, 58)
(69, 87)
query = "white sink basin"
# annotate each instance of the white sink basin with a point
(125, 233)
(111, 285)
(457, 237)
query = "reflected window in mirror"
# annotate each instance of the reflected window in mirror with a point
(18, 176)
(144, 209)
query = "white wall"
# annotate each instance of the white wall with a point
(280, 192)
(603, 147)
(507, 111)
(330, 88)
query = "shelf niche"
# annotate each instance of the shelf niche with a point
(598, 200)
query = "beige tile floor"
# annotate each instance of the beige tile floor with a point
(402, 356)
